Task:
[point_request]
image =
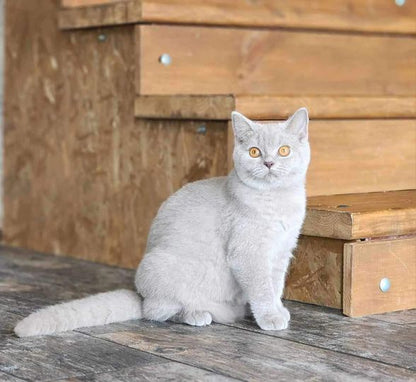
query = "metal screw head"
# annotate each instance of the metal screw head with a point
(102, 37)
(400, 3)
(385, 285)
(165, 59)
(201, 129)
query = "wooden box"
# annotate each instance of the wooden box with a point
(357, 253)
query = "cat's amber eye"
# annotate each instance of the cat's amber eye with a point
(254, 152)
(284, 151)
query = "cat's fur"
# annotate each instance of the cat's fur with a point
(215, 245)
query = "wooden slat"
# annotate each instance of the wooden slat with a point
(113, 13)
(272, 107)
(315, 274)
(354, 216)
(359, 156)
(217, 107)
(86, 3)
(356, 15)
(366, 263)
(247, 61)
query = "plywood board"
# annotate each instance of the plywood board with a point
(359, 156)
(82, 177)
(363, 215)
(354, 15)
(219, 107)
(315, 274)
(258, 62)
(367, 263)
(86, 3)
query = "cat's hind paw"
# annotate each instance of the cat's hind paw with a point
(197, 318)
(272, 321)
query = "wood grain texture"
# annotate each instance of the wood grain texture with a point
(184, 107)
(360, 336)
(244, 61)
(319, 107)
(272, 107)
(82, 176)
(86, 3)
(108, 13)
(351, 15)
(245, 355)
(366, 263)
(384, 150)
(315, 274)
(362, 215)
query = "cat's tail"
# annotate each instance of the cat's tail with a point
(103, 308)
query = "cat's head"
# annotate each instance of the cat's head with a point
(271, 155)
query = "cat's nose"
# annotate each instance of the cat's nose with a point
(268, 164)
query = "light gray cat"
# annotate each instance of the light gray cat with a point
(215, 246)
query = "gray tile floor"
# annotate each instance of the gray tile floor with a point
(320, 344)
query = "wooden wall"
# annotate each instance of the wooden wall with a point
(87, 178)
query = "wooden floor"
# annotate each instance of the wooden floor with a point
(320, 344)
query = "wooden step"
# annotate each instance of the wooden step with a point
(356, 156)
(333, 269)
(357, 15)
(355, 216)
(222, 61)
(267, 107)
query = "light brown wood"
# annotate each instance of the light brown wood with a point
(111, 13)
(184, 107)
(82, 177)
(216, 107)
(359, 156)
(319, 107)
(86, 3)
(247, 61)
(354, 216)
(353, 15)
(366, 263)
(315, 274)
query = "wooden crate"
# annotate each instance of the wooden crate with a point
(350, 243)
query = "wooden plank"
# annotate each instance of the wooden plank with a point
(272, 107)
(248, 61)
(319, 107)
(383, 150)
(354, 216)
(86, 3)
(109, 13)
(184, 107)
(245, 355)
(361, 336)
(403, 317)
(173, 371)
(315, 274)
(366, 263)
(108, 171)
(355, 15)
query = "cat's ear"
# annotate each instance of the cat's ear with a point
(298, 124)
(242, 126)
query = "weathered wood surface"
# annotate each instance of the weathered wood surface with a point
(362, 215)
(384, 150)
(366, 263)
(260, 62)
(320, 344)
(270, 107)
(354, 15)
(113, 13)
(315, 273)
(84, 3)
(81, 175)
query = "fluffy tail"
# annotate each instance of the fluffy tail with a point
(100, 309)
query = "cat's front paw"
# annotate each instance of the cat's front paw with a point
(273, 321)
